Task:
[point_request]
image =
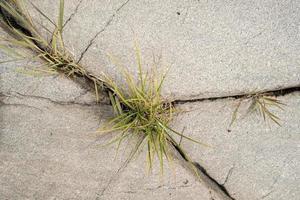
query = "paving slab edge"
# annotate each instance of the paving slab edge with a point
(272, 92)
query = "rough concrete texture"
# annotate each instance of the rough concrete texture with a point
(45, 154)
(48, 157)
(49, 150)
(214, 48)
(253, 161)
(21, 79)
(175, 183)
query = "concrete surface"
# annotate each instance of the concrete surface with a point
(175, 183)
(253, 161)
(214, 48)
(16, 79)
(48, 149)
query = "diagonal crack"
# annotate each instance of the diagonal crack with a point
(271, 190)
(272, 92)
(122, 167)
(203, 175)
(228, 175)
(73, 14)
(102, 30)
(211, 181)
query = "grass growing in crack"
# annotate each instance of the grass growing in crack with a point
(141, 111)
(262, 104)
(139, 108)
(18, 23)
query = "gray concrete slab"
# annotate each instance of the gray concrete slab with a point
(253, 161)
(48, 149)
(48, 152)
(214, 48)
(175, 183)
(30, 78)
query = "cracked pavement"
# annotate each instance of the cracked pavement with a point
(218, 51)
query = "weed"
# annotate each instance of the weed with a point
(139, 108)
(262, 104)
(141, 111)
(16, 21)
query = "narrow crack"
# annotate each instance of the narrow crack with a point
(121, 168)
(168, 188)
(273, 92)
(150, 189)
(73, 14)
(112, 179)
(220, 186)
(209, 180)
(47, 99)
(266, 195)
(19, 105)
(254, 36)
(102, 30)
(272, 187)
(228, 175)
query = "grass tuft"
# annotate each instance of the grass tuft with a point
(141, 111)
(139, 108)
(16, 21)
(262, 104)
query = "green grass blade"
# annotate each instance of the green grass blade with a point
(61, 16)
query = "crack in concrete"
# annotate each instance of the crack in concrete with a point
(211, 181)
(266, 195)
(271, 189)
(73, 14)
(122, 167)
(48, 99)
(228, 175)
(254, 36)
(272, 92)
(102, 30)
(150, 189)
(202, 174)
(169, 188)
(19, 105)
(213, 184)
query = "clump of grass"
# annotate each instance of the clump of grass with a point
(139, 108)
(263, 104)
(141, 111)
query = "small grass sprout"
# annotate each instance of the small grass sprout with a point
(263, 104)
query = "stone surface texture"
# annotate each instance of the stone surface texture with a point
(48, 145)
(49, 149)
(255, 159)
(213, 48)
